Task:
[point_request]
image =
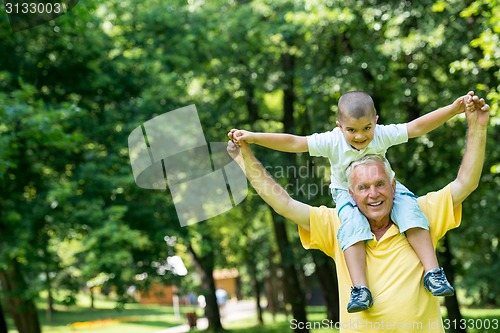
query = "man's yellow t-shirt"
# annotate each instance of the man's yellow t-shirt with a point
(394, 272)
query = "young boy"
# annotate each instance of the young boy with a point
(356, 135)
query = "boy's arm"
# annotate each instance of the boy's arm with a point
(432, 120)
(278, 141)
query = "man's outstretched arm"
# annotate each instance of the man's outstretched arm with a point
(469, 173)
(267, 188)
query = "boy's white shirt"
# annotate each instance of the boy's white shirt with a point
(339, 152)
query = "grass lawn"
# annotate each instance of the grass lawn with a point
(137, 318)
(280, 324)
(473, 318)
(105, 318)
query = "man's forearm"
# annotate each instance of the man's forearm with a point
(270, 191)
(267, 188)
(471, 167)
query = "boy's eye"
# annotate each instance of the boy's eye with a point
(367, 128)
(350, 130)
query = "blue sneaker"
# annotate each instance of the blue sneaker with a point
(361, 299)
(435, 281)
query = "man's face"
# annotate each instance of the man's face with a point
(373, 191)
(358, 132)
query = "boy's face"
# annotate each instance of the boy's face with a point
(358, 132)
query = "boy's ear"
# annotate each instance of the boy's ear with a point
(376, 119)
(338, 124)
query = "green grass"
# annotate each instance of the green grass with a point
(315, 315)
(137, 318)
(472, 318)
(106, 318)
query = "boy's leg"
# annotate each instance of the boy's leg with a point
(353, 231)
(420, 241)
(411, 220)
(355, 259)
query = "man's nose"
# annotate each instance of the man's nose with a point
(373, 192)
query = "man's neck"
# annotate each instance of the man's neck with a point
(380, 228)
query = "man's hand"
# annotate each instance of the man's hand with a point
(477, 111)
(237, 151)
(233, 149)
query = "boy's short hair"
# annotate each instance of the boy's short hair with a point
(356, 104)
(369, 159)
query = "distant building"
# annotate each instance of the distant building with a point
(227, 279)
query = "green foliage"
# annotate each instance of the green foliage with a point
(73, 89)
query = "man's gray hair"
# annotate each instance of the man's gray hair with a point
(369, 159)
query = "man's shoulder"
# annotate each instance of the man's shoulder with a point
(324, 213)
(431, 197)
(441, 212)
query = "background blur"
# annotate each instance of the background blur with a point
(72, 219)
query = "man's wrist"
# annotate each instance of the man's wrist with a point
(477, 127)
(477, 131)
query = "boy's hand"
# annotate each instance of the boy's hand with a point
(238, 136)
(459, 105)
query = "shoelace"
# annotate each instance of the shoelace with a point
(439, 276)
(357, 293)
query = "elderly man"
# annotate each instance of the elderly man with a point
(401, 304)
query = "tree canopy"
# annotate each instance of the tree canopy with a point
(72, 90)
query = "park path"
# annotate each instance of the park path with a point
(233, 311)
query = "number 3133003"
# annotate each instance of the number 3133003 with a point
(34, 8)
(480, 323)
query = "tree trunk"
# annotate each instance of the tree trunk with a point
(21, 308)
(3, 321)
(272, 289)
(256, 289)
(288, 92)
(92, 298)
(451, 302)
(205, 267)
(327, 276)
(250, 101)
(50, 301)
(292, 289)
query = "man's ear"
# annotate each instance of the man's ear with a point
(394, 184)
